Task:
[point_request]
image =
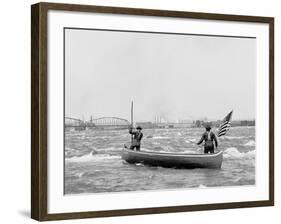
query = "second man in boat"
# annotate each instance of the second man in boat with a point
(209, 137)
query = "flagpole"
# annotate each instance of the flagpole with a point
(132, 113)
(132, 118)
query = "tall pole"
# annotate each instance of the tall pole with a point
(132, 118)
(132, 113)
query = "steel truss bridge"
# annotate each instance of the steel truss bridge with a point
(102, 122)
(110, 121)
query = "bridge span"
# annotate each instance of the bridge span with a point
(97, 123)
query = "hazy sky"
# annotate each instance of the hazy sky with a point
(173, 76)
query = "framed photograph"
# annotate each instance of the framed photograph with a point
(142, 111)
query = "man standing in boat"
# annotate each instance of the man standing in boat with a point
(209, 137)
(136, 138)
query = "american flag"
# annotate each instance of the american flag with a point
(224, 127)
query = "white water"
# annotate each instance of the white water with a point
(91, 158)
(250, 143)
(234, 153)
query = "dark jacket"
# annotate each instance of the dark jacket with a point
(205, 138)
(137, 136)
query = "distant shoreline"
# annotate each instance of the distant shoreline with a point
(106, 128)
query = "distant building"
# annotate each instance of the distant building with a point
(248, 123)
(183, 125)
(146, 125)
(198, 123)
(235, 123)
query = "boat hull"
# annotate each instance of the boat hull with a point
(189, 161)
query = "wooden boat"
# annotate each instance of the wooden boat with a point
(176, 160)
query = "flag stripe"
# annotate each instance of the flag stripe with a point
(223, 132)
(225, 126)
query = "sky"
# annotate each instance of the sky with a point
(177, 77)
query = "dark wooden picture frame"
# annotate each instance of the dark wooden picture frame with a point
(39, 194)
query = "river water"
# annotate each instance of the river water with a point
(93, 161)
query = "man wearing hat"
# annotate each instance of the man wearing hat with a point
(209, 137)
(136, 138)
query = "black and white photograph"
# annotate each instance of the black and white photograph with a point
(158, 111)
(136, 111)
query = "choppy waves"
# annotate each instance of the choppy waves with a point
(95, 154)
(234, 153)
(90, 157)
(93, 161)
(234, 137)
(161, 137)
(250, 143)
